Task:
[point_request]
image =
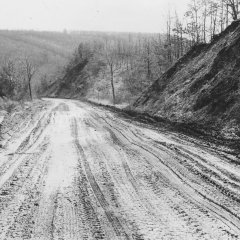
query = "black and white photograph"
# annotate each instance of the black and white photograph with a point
(119, 119)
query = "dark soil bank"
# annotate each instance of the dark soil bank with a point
(202, 89)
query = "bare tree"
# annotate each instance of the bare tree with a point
(30, 70)
(169, 39)
(222, 15)
(234, 8)
(147, 56)
(204, 16)
(178, 30)
(111, 58)
(193, 14)
(214, 6)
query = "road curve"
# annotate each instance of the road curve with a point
(81, 172)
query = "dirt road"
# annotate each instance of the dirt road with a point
(75, 171)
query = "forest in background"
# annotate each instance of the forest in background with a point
(117, 66)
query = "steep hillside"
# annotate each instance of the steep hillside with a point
(72, 85)
(202, 88)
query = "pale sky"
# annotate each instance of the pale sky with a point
(92, 15)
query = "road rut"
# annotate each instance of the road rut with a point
(81, 172)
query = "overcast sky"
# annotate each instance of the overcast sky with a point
(100, 15)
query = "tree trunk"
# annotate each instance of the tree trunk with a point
(222, 13)
(204, 22)
(211, 25)
(234, 11)
(148, 61)
(227, 15)
(169, 50)
(214, 23)
(112, 84)
(30, 89)
(181, 41)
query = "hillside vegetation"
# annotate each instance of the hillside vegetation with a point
(116, 67)
(202, 88)
(49, 52)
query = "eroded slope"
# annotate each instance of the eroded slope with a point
(202, 87)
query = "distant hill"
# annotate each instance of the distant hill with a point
(202, 88)
(46, 45)
(49, 50)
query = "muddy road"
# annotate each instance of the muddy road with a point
(75, 171)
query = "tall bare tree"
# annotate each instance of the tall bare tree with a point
(111, 58)
(169, 38)
(30, 70)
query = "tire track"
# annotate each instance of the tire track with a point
(22, 194)
(93, 176)
(212, 205)
(117, 226)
